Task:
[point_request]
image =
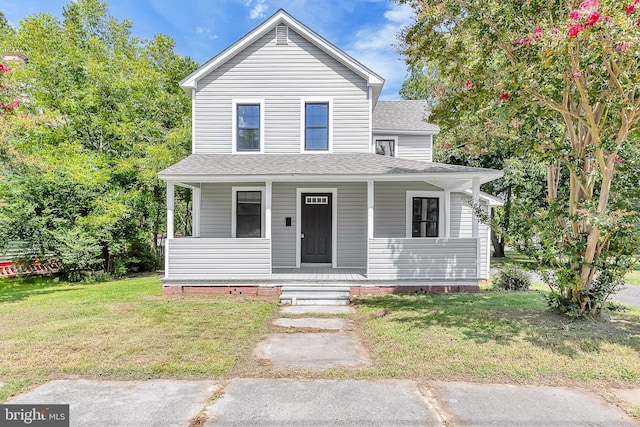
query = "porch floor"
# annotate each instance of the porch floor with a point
(319, 273)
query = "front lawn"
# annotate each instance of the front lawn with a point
(122, 329)
(498, 337)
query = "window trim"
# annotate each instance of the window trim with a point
(234, 124)
(385, 138)
(409, 212)
(303, 125)
(234, 209)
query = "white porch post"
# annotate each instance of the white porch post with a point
(475, 225)
(476, 199)
(170, 208)
(370, 218)
(370, 209)
(196, 196)
(267, 213)
(447, 213)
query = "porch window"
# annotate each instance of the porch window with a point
(316, 119)
(386, 147)
(426, 213)
(249, 214)
(248, 129)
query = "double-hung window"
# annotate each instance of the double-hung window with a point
(316, 118)
(425, 214)
(316, 124)
(248, 132)
(425, 217)
(247, 213)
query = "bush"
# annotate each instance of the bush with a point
(512, 278)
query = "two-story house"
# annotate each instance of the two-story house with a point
(300, 175)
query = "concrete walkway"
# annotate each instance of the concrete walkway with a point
(324, 343)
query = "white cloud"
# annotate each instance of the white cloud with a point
(202, 30)
(377, 48)
(259, 9)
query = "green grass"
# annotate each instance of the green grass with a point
(632, 278)
(513, 258)
(497, 337)
(122, 329)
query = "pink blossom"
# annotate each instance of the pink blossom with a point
(618, 159)
(4, 68)
(525, 41)
(537, 32)
(589, 4)
(504, 96)
(575, 30)
(555, 30)
(593, 18)
(577, 74)
(576, 15)
(16, 103)
(468, 84)
(630, 9)
(622, 46)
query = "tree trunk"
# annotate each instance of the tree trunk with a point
(498, 245)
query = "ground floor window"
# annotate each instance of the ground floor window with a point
(249, 214)
(426, 213)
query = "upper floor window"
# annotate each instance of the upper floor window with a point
(316, 118)
(386, 147)
(316, 124)
(248, 132)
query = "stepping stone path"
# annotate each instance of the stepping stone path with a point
(313, 350)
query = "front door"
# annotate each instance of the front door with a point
(316, 228)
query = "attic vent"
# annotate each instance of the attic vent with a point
(282, 34)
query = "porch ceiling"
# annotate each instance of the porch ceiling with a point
(318, 167)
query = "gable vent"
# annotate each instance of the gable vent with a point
(282, 34)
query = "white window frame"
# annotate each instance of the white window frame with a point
(234, 124)
(409, 212)
(385, 138)
(303, 125)
(234, 208)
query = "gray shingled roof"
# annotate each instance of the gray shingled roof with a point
(314, 165)
(402, 115)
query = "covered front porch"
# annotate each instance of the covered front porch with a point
(376, 227)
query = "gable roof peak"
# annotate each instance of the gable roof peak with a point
(282, 16)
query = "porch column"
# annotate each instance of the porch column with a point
(447, 213)
(170, 207)
(370, 209)
(196, 196)
(475, 225)
(267, 213)
(476, 199)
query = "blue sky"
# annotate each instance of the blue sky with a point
(366, 29)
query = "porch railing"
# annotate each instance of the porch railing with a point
(218, 259)
(447, 259)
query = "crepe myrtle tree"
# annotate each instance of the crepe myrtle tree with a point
(567, 64)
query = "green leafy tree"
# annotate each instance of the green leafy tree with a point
(90, 198)
(562, 81)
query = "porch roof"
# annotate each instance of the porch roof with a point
(312, 166)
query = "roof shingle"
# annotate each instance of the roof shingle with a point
(403, 115)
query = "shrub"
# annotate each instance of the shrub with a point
(512, 278)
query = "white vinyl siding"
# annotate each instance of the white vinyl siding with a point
(216, 208)
(351, 221)
(411, 147)
(422, 259)
(390, 206)
(199, 258)
(282, 75)
(461, 220)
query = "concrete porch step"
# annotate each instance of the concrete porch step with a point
(315, 295)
